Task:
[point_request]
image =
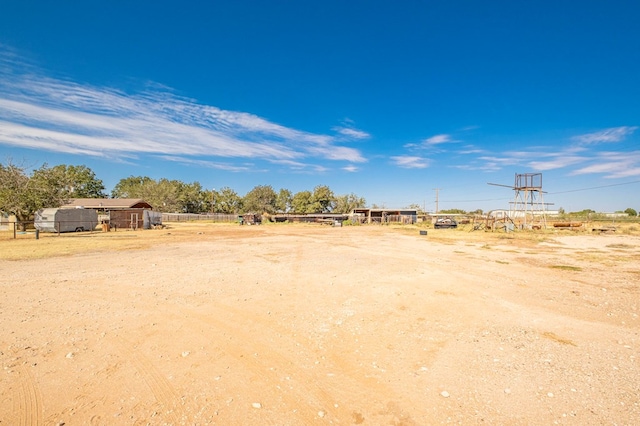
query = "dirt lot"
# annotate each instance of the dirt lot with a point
(302, 325)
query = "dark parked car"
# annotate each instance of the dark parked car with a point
(445, 222)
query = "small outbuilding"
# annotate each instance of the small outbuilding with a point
(134, 219)
(120, 213)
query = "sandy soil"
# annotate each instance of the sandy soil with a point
(302, 325)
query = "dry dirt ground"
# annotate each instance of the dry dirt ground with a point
(313, 325)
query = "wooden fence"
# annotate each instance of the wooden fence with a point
(189, 217)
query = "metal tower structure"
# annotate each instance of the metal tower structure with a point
(529, 200)
(528, 207)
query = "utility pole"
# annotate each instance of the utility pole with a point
(437, 191)
(213, 200)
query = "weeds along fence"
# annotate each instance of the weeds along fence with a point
(190, 217)
(27, 230)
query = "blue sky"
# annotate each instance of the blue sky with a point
(388, 100)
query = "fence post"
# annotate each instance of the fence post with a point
(15, 225)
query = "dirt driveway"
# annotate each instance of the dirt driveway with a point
(303, 325)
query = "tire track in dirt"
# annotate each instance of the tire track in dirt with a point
(29, 400)
(164, 393)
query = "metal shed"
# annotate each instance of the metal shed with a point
(404, 216)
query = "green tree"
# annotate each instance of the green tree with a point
(346, 203)
(23, 195)
(227, 201)
(164, 195)
(453, 211)
(176, 196)
(261, 199)
(302, 202)
(48, 187)
(283, 201)
(415, 206)
(14, 194)
(323, 199)
(134, 187)
(193, 198)
(78, 181)
(631, 212)
(585, 212)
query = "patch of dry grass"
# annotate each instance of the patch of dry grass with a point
(552, 336)
(54, 245)
(620, 246)
(566, 267)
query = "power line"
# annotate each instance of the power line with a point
(475, 201)
(505, 198)
(596, 187)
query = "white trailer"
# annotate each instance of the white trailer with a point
(66, 220)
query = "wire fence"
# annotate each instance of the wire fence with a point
(27, 229)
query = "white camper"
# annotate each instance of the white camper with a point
(66, 220)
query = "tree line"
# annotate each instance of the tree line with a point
(22, 194)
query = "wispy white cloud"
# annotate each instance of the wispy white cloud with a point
(614, 165)
(493, 163)
(576, 155)
(39, 112)
(471, 150)
(350, 168)
(558, 162)
(301, 167)
(613, 134)
(485, 167)
(410, 162)
(352, 133)
(514, 158)
(212, 164)
(437, 140)
(432, 143)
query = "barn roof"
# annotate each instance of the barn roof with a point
(107, 203)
